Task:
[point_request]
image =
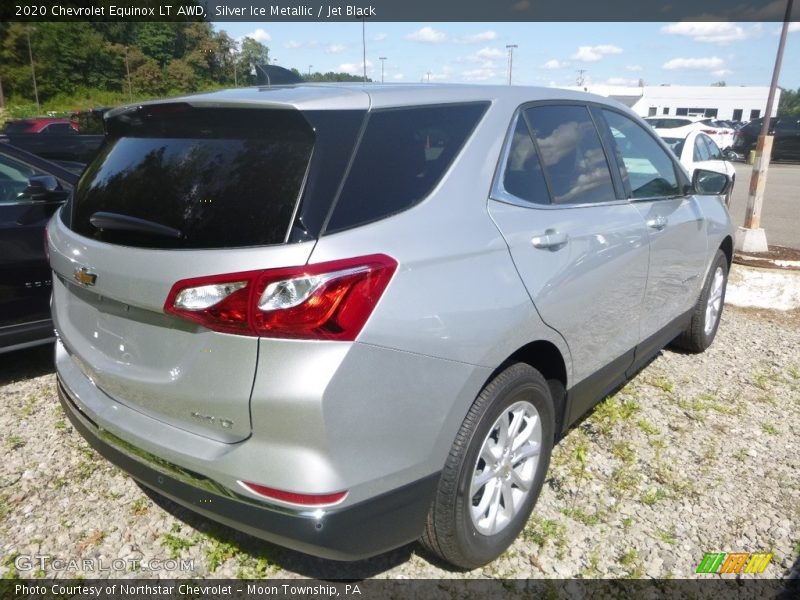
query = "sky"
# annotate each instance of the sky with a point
(546, 54)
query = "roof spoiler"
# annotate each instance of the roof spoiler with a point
(274, 75)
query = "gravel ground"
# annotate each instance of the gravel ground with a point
(696, 454)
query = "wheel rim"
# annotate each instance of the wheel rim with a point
(714, 305)
(505, 468)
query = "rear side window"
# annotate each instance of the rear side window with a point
(523, 176)
(172, 176)
(402, 155)
(572, 154)
(645, 166)
(700, 150)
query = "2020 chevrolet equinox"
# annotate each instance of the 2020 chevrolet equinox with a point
(342, 318)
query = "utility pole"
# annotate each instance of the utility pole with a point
(383, 61)
(309, 70)
(429, 76)
(33, 70)
(364, 46)
(128, 71)
(580, 79)
(510, 59)
(752, 237)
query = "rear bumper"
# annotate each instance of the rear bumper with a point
(354, 532)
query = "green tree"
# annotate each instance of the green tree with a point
(789, 103)
(252, 53)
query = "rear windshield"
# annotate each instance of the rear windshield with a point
(13, 127)
(173, 176)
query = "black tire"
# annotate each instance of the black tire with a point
(450, 532)
(695, 338)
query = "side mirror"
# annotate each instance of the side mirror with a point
(710, 183)
(43, 187)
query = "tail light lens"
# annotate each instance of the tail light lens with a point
(330, 300)
(294, 497)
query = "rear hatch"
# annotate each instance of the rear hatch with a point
(176, 192)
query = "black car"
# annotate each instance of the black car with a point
(785, 145)
(31, 189)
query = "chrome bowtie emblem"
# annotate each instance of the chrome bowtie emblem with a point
(84, 277)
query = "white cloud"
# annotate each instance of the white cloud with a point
(490, 53)
(477, 38)
(258, 35)
(355, 68)
(595, 53)
(398, 76)
(793, 26)
(427, 35)
(721, 72)
(696, 64)
(379, 37)
(335, 49)
(478, 74)
(291, 45)
(633, 68)
(555, 64)
(710, 32)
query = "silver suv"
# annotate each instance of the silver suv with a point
(342, 318)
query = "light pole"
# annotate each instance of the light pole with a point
(309, 70)
(510, 59)
(752, 237)
(429, 76)
(128, 71)
(364, 46)
(383, 61)
(33, 70)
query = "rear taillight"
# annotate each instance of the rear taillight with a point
(294, 497)
(330, 300)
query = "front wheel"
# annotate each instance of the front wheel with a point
(707, 312)
(495, 470)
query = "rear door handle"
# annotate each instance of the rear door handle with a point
(551, 238)
(658, 223)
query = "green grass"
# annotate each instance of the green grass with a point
(668, 537)
(217, 552)
(794, 372)
(769, 428)
(140, 506)
(663, 384)
(647, 427)
(580, 515)
(653, 496)
(624, 452)
(60, 425)
(176, 544)
(624, 482)
(545, 531)
(14, 441)
(613, 411)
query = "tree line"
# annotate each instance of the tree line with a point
(135, 60)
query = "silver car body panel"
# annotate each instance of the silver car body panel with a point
(375, 414)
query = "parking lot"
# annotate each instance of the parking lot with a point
(781, 215)
(696, 454)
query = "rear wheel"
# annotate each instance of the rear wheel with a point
(495, 470)
(707, 312)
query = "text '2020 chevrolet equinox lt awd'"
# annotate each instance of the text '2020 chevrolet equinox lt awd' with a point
(342, 318)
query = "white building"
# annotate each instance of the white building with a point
(727, 102)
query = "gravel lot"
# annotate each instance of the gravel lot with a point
(696, 454)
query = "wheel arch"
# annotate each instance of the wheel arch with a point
(545, 357)
(727, 248)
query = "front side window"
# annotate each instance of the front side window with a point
(14, 177)
(523, 176)
(700, 150)
(644, 165)
(714, 152)
(572, 154)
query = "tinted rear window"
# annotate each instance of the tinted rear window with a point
(402, 155)
(17, 127)
(219, 177)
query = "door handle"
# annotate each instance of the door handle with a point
(551, 238)
(658, 223)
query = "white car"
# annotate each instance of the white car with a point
(696, 150)
(678, 127)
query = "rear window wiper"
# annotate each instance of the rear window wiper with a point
(117, 222)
